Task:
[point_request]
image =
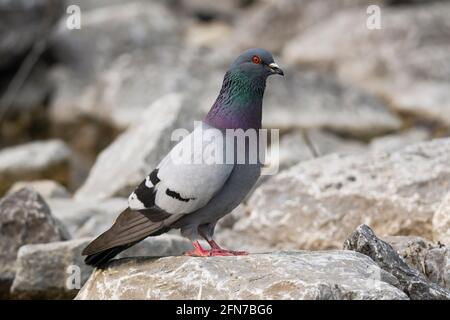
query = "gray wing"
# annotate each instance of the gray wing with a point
(185, 181)
(187, 178)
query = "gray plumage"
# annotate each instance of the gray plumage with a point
(194, 186)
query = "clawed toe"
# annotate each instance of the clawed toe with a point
(215, 251)
(222, 252)
(195, 253)
(198, 251)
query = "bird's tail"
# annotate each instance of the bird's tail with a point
(130, 228)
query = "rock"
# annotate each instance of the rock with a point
(230, 219)
(277, 21)
(317, 203)
(50, 271)
(87, 218)
(437, 266)
(406, 62)
(400, 140)
(424, 100)
(411, 281)
(408, 2)
(160, 246)
(209, 35)
(412, 249)
(308, 99)
(17, 37)
(206, 10)
(133, 54)
(233, 239)
(112, 79)
(24, 30)
(25, 218)
(99, 4)
(35, 160)
(46, 188)
(441, 222)
(26, 107)
(282, 275)
(432, 260)
(228, 238)
(126, 162)
(293, 148)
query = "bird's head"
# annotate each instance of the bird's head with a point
(256, 63)
(239, 104)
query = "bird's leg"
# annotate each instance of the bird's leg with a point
(216, 250)
(198, 251)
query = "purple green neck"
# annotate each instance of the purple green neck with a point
(239, 104)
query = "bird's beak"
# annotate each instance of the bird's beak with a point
(275, 69)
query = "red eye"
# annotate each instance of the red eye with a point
(256, 59)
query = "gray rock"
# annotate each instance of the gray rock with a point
(437, 266)
(412, 249)
(441, 222)
(126, 162)
(46, 188)
(57, 270)
(87, 218)
(317, 203)
(308, 99)
(90, 218)
(424, 100)
(411, 281)
(25, 85)
(133, 54)
(406, 62)
(90, 5)
(432, 260)
(211, 35)
(227, 237)
(211, 10)
(275, 22)
(33, 161)
(160, 246)
(17, 37)
(400, 140)
(409, 2)
(234, 239)
(50, 271)
(294, 149)
(282, 275)
(25, 218)
(125, 48)
(28, 102)
(230, 219)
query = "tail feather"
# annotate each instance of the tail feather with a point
(100, 259)
(130, 228)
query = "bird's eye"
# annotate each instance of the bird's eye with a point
(256, 59)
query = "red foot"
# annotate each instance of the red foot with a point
(198, 251)
(216, 250)
(223, 252)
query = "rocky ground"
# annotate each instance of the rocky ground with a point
(85, 114)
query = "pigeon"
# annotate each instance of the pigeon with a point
(191, 189)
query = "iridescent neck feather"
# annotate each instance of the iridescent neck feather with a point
(239, 104)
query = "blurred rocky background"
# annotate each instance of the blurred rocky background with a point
(363, 116)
